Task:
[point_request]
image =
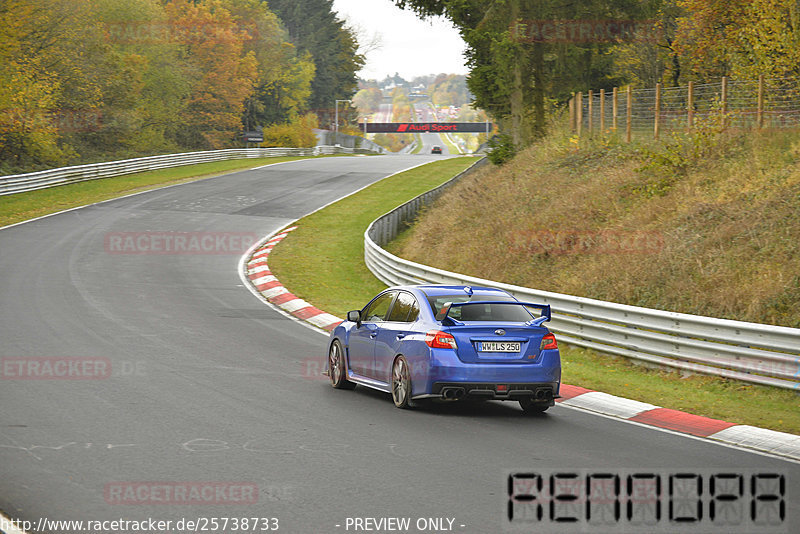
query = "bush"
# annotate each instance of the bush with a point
(502, 149)
(296, 134)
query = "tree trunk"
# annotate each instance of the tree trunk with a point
(538, 128)
(518, 107)
(527, 93)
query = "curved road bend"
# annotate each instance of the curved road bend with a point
(210, 388)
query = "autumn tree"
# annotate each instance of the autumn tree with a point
(368, 100)
(449, 90)
(48, 55)
(225, 75)
(651, 57)
(513, 71)
(284, 75)
(769, 40)
(739, 38)
(315, 28)
(104, 79)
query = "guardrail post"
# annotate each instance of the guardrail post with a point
(395, 224)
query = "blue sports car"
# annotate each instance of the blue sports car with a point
(448, 342)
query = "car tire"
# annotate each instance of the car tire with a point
(533, 407)
(401, 383)
(337, 371)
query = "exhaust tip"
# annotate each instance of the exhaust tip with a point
(453, 393)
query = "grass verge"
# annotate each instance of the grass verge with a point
(707, 226)
(418, 144)
(322, 262)
(450, 145)
(718, 398)
(23, 206)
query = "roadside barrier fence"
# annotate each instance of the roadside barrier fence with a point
(19, 183)
(756, 353)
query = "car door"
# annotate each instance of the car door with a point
(361, 353)
(391, 333)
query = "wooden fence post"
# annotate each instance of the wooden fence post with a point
(628, 115)
(760, 113)
(658, 111)
(724, 102)
(614, 109)
(690, 105)
(572, 114)
(590, 112)
(602, 111)
(579, 113)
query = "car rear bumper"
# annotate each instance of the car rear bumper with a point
(540, 391)
(445, 367)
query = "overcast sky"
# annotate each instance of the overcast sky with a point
(408, 45)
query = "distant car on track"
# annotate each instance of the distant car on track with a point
(448, 342)
(436, 150)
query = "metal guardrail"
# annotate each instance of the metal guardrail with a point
(329, 138)
(757, 353)
(19, 183)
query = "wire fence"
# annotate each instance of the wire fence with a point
(730, 104)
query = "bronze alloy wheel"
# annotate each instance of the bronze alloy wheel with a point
(401, 383)
(336, 367)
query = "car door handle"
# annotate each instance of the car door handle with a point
(400, 336)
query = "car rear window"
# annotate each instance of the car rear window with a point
(481, 312)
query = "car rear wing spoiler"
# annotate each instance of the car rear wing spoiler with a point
(442, 315)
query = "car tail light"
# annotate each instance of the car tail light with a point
(548, 342)
(440, 340)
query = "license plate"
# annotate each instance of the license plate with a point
(499, 346)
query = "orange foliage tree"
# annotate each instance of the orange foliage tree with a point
(225, 75)
(739, 38)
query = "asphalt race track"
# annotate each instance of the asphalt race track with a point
(195, 383)
(429, 140)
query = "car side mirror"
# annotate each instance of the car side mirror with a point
(354, 317)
